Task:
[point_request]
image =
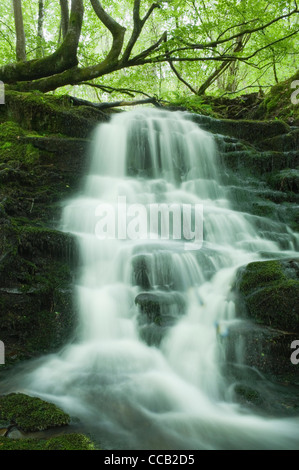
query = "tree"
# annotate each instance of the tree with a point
(198, 41)
(20, 32)
(40, 33)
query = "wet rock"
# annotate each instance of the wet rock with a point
(158, 306)
(258, 361)
(158, 312)
(266, 349)
(140, 271)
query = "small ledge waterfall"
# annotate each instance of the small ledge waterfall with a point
(147, 369)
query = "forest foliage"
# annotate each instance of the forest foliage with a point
(165, 49)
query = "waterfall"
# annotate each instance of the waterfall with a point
(147, 369)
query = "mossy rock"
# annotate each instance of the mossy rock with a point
(277, 103)
(50, 114)
(248, 395)
(72, 441)
(12, 147)
(282, 143)
(269, 292)
(251, 131)
(263, 350)
(37, 312)
(31, 413)
(286, 180)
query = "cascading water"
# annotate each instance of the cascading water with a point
(146, 369)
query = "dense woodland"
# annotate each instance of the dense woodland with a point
(170, 50)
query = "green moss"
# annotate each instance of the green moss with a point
(278, 104)
(31, 413)
(193, 103)
(21, 444)
(248, 394)
(10, 130)
(286, 180)
(276, 305)
(37, 313)
(257, 274)
(49, 114)
(13, 147)
(70, 442)
(64, 442)
(270, 291)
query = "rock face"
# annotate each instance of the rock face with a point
(43, 156)
(267, 298)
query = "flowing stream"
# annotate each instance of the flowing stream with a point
(147, 368)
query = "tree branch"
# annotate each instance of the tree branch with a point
(135, 60)
(175, 71)
(234, 36)
(225, 58)
(117, 31)
(138, 25)
(110, 89)
(236, 26)
(80, 102)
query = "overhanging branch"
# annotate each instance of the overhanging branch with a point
(62, 59)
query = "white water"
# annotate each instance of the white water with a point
(172, 395)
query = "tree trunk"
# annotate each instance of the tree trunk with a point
(64, 24)
(64, 58)
(20, 33)
(40, 34)
(219, 71)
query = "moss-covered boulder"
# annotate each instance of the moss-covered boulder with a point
(72, 441)
(51, 114)
(268, 292)
(278, 104)
(286, 180)
(31, 413)
(34, 424)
